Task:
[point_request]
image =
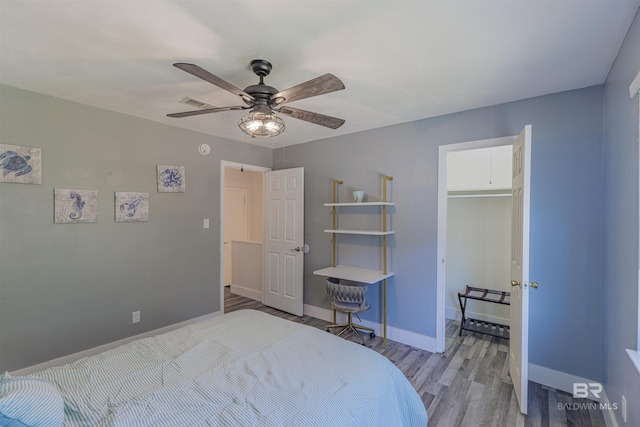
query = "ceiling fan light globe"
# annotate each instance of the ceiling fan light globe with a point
(258, 124)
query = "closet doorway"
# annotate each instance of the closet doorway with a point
(476, 229)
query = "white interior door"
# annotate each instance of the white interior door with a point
(235, 224)
(519, 308)
(283, 193)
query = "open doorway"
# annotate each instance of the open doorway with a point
(241, 230)
(271, 269)
(474, 228)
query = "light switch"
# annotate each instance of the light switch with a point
(206, 223)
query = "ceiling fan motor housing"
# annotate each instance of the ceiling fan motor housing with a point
(261, 92)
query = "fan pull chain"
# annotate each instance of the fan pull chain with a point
(242, 156)
(284, 148)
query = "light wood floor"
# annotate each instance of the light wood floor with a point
(468, 385)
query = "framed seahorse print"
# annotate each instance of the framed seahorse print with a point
(73, 206)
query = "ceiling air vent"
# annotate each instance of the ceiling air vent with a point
(198, 103)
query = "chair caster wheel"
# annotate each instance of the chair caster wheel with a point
(372, 335)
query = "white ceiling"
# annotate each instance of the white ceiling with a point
(400, 60)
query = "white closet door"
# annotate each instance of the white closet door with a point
(519, 308)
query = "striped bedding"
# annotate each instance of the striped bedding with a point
(245, 368)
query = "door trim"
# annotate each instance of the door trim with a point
(443, 150)
(231, 165)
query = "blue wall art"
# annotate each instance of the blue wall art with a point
(131, 207)
(171, 179)
(72, 206)
(22, 165)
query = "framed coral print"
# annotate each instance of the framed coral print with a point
(171, 179)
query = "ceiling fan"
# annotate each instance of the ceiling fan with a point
(265, 101)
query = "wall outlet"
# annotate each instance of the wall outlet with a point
(135, 317)
(624, 408)
(206, 223)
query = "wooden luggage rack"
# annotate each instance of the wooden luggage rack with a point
(481, 326)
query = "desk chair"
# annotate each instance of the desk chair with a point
(349, 299)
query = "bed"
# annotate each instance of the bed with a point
(245, 368)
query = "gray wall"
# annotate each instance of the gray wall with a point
(69, 287)
(620, 261)
(566, 311)
(478, 252)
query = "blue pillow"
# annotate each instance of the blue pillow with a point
(29, 402)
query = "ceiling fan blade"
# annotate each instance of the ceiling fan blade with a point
(207, 76)
(206, 111)
(308, 116)
(318, 86)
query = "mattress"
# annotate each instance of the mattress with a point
(245, 368)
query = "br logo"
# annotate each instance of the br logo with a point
(585, 390)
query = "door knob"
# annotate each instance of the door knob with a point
(304, 248)
(534, 285)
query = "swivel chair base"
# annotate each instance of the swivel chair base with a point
(353, 327)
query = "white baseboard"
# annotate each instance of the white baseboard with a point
(246, 292)
(456, 314)
(557, 379)
(413, 339)
(96, 350)
(318, 312)
(608, 413)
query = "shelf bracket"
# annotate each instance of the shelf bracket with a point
(334, 214)
(385, 180)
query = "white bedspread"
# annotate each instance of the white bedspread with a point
(246, 368)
